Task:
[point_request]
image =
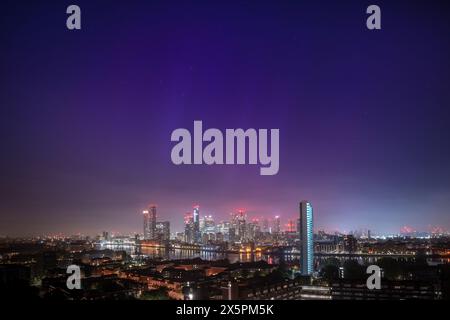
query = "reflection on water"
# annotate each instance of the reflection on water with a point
(177, 254)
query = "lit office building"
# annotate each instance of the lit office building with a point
(240, 227)
(277, 225)
(150, 223)
(196, 221)
(163, 230)
(207, 224)
(189, 228)
(146, 216)
(252, 229)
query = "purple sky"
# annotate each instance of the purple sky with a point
(86, 116)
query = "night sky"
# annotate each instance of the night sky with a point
(86, 116)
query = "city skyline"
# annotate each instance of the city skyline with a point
(149, 217)
(362, 115)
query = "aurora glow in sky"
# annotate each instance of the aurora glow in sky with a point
(86, 116)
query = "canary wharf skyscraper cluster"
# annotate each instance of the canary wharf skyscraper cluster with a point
(239, 230)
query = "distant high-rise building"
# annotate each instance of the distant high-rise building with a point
(306, 238)
(202, 224)
(241, 225)
(277, 225)
(223, 227)
(196, 220)
(163, 230)
(250, 228)
(189, 228)
(153, 222)
(234, 223)
(179, 236)
(150, 223)
(232, 234)
(265, 225)
(146, 215)
(209, 225)
(105, 235)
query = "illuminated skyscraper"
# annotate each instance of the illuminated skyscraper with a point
(146, 216)
(277, 225)
(253, 229)
(209, 225)
(306, 238)
(196, 217)
(150, 223)
(188, 227)
(241, 226)
(163, 230)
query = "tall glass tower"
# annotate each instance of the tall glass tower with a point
(197, 224)
(150, 223)
(146, 215)
(306, 238)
